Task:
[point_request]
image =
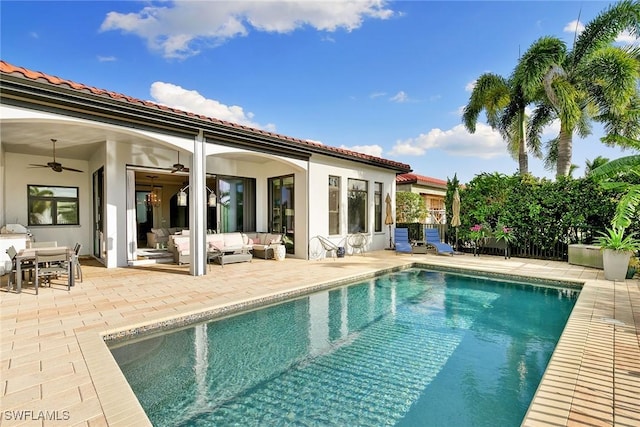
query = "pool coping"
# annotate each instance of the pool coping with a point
(121, 406)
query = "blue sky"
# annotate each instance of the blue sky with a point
(385, 78)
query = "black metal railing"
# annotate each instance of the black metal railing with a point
(523, 248)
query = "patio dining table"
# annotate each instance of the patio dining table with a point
(30, 255)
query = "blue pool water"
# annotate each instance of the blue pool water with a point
(412, 348)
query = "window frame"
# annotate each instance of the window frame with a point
(334, 190)
(54, 201)
(377, 206)
(353, 194)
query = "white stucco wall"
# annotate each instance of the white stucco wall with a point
(19, 175)
(319, 170)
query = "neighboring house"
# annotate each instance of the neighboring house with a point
(432, 190)
(239, 178)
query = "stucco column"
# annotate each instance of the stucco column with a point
(197, 207)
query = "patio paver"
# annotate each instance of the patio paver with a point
(54, 363)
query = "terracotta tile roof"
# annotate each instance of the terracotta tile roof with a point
(7, 68)
(412, 178)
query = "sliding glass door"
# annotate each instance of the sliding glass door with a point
(236, 204)
(281, 208)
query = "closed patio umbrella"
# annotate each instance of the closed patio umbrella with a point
(389, 218)
(455, 219)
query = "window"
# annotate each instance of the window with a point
(357, 209)
(50, 205)
(334, 205)
(377, 202)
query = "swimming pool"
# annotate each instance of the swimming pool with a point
(411, 348)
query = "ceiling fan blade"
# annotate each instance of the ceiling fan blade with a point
(71, 169)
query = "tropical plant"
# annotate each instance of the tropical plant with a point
(504, 104)
(479, 232)
(504, 233)
(593, 81)
(615, 239)
(627, 210)
(590, 165)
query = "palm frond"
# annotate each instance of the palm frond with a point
(604, 28)
(543, 115)
(543, 54)
(627, 208)
(612, 77)
(551, 158)
(491, 94)
(566, 100)
(615, 167)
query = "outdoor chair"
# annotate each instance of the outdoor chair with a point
(52, 264)
(25, 266)
(432, 238)
(76, 261)
(329, 246)
(357, 242)
(402, 241)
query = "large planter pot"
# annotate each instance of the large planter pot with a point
(615, 264)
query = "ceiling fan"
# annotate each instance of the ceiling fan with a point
(179, 167)
(55, 166)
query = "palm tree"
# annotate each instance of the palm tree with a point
(594, 81)
(504, 105)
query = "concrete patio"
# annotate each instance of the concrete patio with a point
(54, 363)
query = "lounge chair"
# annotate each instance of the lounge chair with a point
(329, 246)
(432, 238)
(402, 241)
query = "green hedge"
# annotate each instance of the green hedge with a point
(540, 212)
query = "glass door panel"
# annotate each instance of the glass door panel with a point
(281, 208)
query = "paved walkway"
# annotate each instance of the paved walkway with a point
(54, 363)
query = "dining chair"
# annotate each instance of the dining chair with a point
(25, 267)
(76, 261)
(52, 264)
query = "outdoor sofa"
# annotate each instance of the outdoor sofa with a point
(226, 248)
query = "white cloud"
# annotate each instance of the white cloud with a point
(573, 27)
(181, 28)
(400, 97)
(372, 150)
(484, 143)
(106, 58)
(470, 86)
(626, 37)
(377, 95)
(190, 100)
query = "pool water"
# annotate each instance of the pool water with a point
(412, 348)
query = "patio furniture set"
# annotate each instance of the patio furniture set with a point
(431, 241)
(43, 262)
(227, 248)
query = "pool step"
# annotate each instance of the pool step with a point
(373, 381)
